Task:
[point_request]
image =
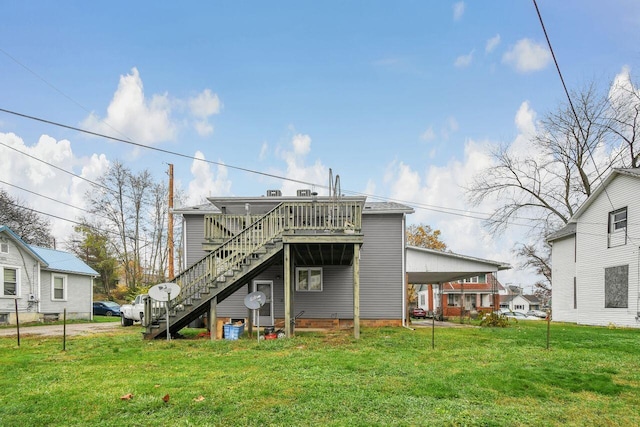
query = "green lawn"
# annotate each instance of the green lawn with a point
(391, 376)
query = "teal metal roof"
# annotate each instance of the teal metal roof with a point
(63, 261)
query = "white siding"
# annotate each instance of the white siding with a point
(562, 275)
(594, 255)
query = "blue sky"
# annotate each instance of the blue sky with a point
(401, 99)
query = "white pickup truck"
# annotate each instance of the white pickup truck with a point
(133, 312)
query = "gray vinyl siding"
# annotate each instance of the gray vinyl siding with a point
(381, 276)
(381, 269)
(79, 294)
(194, 238)
(27, 281)
(335, 300)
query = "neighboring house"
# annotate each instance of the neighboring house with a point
(43, 282)
(330, 262)
(596, 256)
(520, 302)
(477, 293)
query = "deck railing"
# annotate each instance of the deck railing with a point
(298, 215)
(237, 250)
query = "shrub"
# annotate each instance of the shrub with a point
(494, 320)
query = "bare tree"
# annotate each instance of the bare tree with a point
(623, 118)
(122, 204)
(32, 228)
(545, 183)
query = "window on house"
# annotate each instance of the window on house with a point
(616, 287)
(4, 248)
(453, 300)
(309, 279)
(59, 291)
(518, 307)
(474, 279)
(10, 284)
(618, 227)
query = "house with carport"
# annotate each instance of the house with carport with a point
(320, 261)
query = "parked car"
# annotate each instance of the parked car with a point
(106, 308)
(537, 313)
(519, 315)
(419, 313)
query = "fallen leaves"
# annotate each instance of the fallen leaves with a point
(127, 396)
(166, 398)
(198, 399)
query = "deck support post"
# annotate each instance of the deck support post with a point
(356, 291)
(287, 290)
(213, 318)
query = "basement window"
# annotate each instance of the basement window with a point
(309, 279)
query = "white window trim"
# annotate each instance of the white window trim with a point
(613, 222)
(65, 285)
(18, 276)
(299, 269)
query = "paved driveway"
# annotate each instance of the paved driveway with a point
(56, 330)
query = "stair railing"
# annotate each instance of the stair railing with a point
(232, 255)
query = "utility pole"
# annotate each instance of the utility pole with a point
(170, 226)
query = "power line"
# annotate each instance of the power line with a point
(161, 150)
(58, 168)
(46, 197)
(566, 91)
(450, 211)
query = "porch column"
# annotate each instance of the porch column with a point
(287, 290)
(213, 318)
(356, 291)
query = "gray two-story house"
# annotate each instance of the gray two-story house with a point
(331, 262)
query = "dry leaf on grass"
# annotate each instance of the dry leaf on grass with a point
(166, 398)
(127, 396)
(199, 398)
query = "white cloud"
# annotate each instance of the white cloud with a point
(297, 168)
(492, 43)
(463, 61)
(205, 181)
(205, 104)
(202, 107)
(264, 150)
(438, 188)
(45, 184)
(428, 135)
(458, 10)
(131, 115)
(203, 127)
(527, 56)
(622, 90)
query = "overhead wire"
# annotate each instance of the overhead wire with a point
(484, 216)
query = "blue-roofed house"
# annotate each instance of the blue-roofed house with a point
(43, 282)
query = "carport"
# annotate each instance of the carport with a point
(431, 267)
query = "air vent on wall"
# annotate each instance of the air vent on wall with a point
(304, 193)
(274, 193)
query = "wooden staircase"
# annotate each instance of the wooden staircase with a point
(241, 257)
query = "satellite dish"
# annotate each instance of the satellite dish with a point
(255, 300)
(164, 291)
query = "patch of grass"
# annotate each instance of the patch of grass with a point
(391, 376)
